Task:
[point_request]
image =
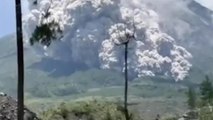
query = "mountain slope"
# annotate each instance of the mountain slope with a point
(194, 37)
(92, 25)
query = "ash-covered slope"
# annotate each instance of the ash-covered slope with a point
(191, 25)
(90, 28)
(8, 109)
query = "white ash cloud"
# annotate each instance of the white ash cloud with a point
(90, 28)
(206, 3)
(174, 13)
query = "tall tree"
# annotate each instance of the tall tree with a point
(191, 98)
(20, 58)
(125, 42)
(126, 79)
(206, 89)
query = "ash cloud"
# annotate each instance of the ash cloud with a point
(90, 28)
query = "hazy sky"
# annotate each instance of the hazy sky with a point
(7, 17)
(207, 3)
(7, 14)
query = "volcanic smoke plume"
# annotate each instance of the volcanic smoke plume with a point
(91, 27)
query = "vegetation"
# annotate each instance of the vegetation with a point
(191, 98)
(78, 82)
(128, 37)
(171, 118)
(105, 83)
(206, 89)
(46, 33)
(90, 110)
(157, 94)
(205, 96)
(206, 113)
(204, 109)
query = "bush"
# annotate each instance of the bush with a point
(92, 110)
(170, 117)
(206, 113)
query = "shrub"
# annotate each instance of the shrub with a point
(92, 110)
(206, 113)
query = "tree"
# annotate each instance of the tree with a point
(20, 58)
(46, 32)
(206, 89)
(191, 98)
(124, 41)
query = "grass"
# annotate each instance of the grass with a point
(148, 100)
(89, 110)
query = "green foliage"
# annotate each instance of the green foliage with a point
(67, 89)
(40, 91)
(191, 98)
(206, 113)
(78, 82)
(45, 33)
(91, 110)
(206, 89)
(95, 77)
(205, 110)
(170, 117)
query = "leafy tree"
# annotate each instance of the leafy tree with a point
(206, 89)
(191, 98)
(46, 32)
(20, 58)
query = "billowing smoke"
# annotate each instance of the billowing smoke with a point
(92, 27)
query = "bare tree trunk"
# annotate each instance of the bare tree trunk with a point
(126, 82)
(20, 58)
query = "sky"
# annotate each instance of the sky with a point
(7, 17)
(206, 3)
(7, 14)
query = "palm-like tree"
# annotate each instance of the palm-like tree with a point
(126, 79)
(125, 42)
(20, 58)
